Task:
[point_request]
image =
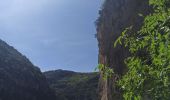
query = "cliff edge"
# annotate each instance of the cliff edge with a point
(115, 16)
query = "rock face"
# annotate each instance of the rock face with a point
(19, 79)
(72, 85)
(115, 16)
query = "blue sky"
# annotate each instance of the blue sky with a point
(53, 34)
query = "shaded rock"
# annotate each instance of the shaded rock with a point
(19, 78)
(115, 16)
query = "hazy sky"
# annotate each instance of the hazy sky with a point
(53, 34)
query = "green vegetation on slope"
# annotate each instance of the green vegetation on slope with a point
(19, 78)
(73, 86)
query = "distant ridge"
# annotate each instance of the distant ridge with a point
(70, 85)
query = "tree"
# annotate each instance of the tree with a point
(148, 73)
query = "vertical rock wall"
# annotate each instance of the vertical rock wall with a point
(115, 16)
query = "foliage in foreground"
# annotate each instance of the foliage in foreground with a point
(148, 73)
(105, 71)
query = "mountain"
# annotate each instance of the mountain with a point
(115, 16)
(19, 78)
(71, 85)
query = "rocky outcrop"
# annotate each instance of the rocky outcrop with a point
(19, 78)
(115, 16)
(69, 85)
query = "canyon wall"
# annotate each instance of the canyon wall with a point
(115, 16)
(19, 78)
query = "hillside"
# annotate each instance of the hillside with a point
(71, 85)
(19, 78)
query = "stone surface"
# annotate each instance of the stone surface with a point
(115, 16)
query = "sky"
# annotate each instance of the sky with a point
(53, 34)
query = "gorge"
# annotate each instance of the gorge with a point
(21, 80)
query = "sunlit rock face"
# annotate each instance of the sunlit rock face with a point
(115, 16)
(19, 79)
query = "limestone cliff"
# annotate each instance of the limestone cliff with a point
(115, 16)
